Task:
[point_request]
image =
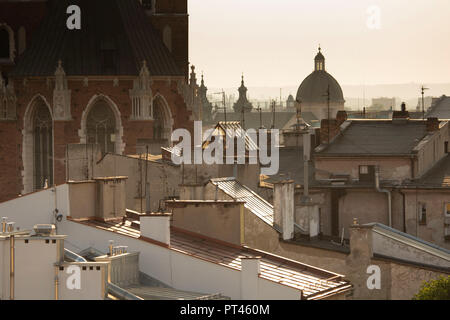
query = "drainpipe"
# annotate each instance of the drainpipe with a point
(404, 210)
(388, 193)
(11, 267)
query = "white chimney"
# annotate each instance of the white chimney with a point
(250, 269)
(156, 227)
(283, 207)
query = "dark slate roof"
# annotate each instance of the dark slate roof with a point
(252, 119)
(441, 109)
(314, 88)
(292, 166)
(377, 137)
(438, 176)
(105, 24)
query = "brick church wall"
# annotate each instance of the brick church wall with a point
(68, 132)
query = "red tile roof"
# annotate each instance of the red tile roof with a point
(314, 282)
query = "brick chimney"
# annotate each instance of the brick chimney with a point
(328, 127)
(432, 124)
(341, 117)
(401, 115)
(284, 208)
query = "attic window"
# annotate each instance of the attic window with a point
(422, 214)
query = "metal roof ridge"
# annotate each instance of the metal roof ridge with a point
(411, 240)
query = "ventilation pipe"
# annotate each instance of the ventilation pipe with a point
(388, 193)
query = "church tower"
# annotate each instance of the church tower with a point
(170, 18)
(242, 104)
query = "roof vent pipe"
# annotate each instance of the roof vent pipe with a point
(4, 220)
(388, 193)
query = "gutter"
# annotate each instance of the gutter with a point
(388, 193)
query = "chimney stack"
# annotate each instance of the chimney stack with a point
(156, 227)
(341, 117)
(401, 115)
(250, 269)
(432, 124)
(283, 207)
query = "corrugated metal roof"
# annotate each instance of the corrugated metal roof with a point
(226, 129)
(160, 293)
(314, 282)
(118, 25)
(253, 202)
(253, 119)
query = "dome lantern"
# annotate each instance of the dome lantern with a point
(319, 61)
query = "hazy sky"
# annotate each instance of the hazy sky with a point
(274, 41)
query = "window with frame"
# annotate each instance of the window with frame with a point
(366, 173)
(422, 218)
(447, 209)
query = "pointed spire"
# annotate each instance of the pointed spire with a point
(144, 70)
(59, 69)
(193, 80)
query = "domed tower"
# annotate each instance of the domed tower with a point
(242, 102)
(315, 90)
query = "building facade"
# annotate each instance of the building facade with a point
(119, 82)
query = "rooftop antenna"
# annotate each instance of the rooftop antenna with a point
(223, 102)
(423, 101)
(260, 116)
(328, 111)
(273, 114)
(281, 103)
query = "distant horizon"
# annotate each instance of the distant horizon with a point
(274, 42)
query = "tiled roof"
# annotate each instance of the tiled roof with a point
(255, 203)
(314, 282)
(438, 176)
(377, 137)
(118, 25)
(441, 109)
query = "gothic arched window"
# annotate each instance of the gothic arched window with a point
(101, 127)
(43, 146)
(159, 126)
(5, 49)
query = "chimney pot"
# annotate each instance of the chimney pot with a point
(432, 124)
